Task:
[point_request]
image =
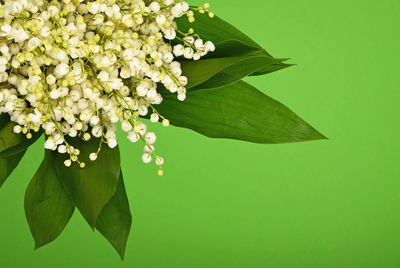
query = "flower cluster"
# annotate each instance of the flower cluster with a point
(76, 68)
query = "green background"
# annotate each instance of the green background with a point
(224, 203)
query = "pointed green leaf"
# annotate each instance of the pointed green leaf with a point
(12, 147)
(11, 143)
(233, 61)
(272, 68)
(240, 112)
(48, 207)
(214, 29)
(237, 71)
(114, 221)
(93, 186)
(217, 30)
(8, 164)
(231, 48)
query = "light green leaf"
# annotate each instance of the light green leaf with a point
(91, 187)
(48, 207)
(240, 112)
(8, 164)
(114, 221)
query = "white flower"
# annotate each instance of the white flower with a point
(33, 43)
(45, 31)
(17, 129)
(159, 161)
(53, 10)
(161, 20)
(169, 34)
(20, 35)
(189, 39)
(181, 97)
(50, 144)
(62, 149)
(112, 143)
(103, 76)
(133, 137)
(150, 137)
(188, 53)
(50, 79)
(142, 89)
(146, 157)
(77, 68)
(196, 56)
(5, 29)
(154, 6)
(93, 156)
(61, 70)
(199, 44)
(209, 46)
(4, 49)
(177, 10)
(67, 163)
(154, 118)
(94, 7)
(126, 126)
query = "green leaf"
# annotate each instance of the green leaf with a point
(91, 187)
(11, 143)
(48, 207)
(243, 68)
(114, 221)
(219, 31)
(240, 112)
(231, 48)
(8, 164)
(4, 119)
(233, 61)
(12, 147)
(272, 68)
(237, 71)
(214, 29)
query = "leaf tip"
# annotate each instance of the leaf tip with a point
(122, 255)
(39, 244)
(318, 136)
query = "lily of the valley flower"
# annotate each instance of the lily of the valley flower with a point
(76, 68)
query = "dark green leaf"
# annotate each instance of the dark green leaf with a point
(12, 147)
(11, 143)
(114, 221)
(272, 68)
(214, 29)
(217, 30)
(236, 71)
(8, 164)
(48, 207)
(231, 48)
(93, 186)
(233, 61)
(4, 119)
(238, 111)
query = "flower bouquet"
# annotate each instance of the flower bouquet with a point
(72, 70)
